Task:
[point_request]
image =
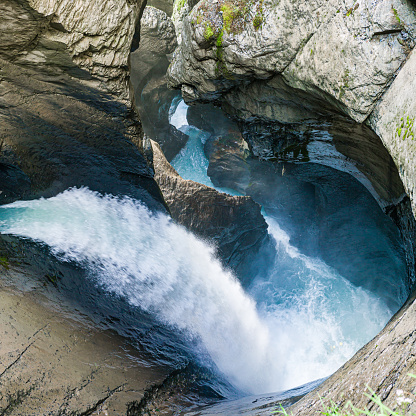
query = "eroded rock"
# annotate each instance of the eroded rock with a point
(233, 223)
(149, 64)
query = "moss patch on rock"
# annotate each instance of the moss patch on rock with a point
(405, 128)
(229, 17)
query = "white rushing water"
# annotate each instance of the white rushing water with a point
(306, 317)
(157, 266)
(297, 324)
(317, 318)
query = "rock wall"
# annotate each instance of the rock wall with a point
(294, 68)
(99, 45)
(66, 119)
(323, 82)
(66, 115)
(233, 223)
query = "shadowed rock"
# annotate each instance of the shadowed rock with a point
(233, 223)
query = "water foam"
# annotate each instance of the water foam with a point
(320, 317)
(316, 317)
(157, 266)
(297, 335)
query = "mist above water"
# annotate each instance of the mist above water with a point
(321, 317)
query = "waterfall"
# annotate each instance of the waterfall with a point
(163, 269)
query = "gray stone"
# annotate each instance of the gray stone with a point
(393, 120)
(233, 223)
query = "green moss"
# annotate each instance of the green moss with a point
(229, 13)
(258, 20)
(405, 128)
(396, 15)
(209, 33)
(180, 4)
(4, 262)
(344, 84)
(235, 16)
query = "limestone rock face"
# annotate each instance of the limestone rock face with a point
(149, 64)
(97, 34)
(66, 120)
(157, 39)
(393, 120)
(233, 223)
(344, 53)
(55, 361)
(165, 5)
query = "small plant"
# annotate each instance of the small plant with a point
(406, 127)
(352, 9)
(4, 262)
(180, 4)
(209, 33)
(396, 15)
(403, 400)
(258, 20)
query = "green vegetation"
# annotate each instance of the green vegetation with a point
(209, 33)
(352, 9)
(258, 20)
(180, 4)
(396, 15)
(344, 84)
(403, 399)
(227, 16)
(4, 262)
(405, 128)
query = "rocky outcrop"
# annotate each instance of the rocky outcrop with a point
(343, 53)
(165, 5)
(60, 126)
(290, 68)
(233, 223)
(100, 46)
(157, 40)
(393, 120)
(149, 64)
(66, 120)
(54, 360)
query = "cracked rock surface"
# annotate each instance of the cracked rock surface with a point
(56, 361)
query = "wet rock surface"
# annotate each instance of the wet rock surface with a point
(66, 120)
(383, 365)
(56, 359)
(60, 127)
(46, 143)
(318, 103)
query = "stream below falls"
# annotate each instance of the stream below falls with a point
(296, 323)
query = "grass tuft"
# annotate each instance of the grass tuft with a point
(403, 399)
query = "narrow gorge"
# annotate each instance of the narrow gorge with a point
(207, 207)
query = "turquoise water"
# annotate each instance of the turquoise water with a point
(322, 319)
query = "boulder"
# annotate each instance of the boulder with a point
(343, 54)
(233, 223)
